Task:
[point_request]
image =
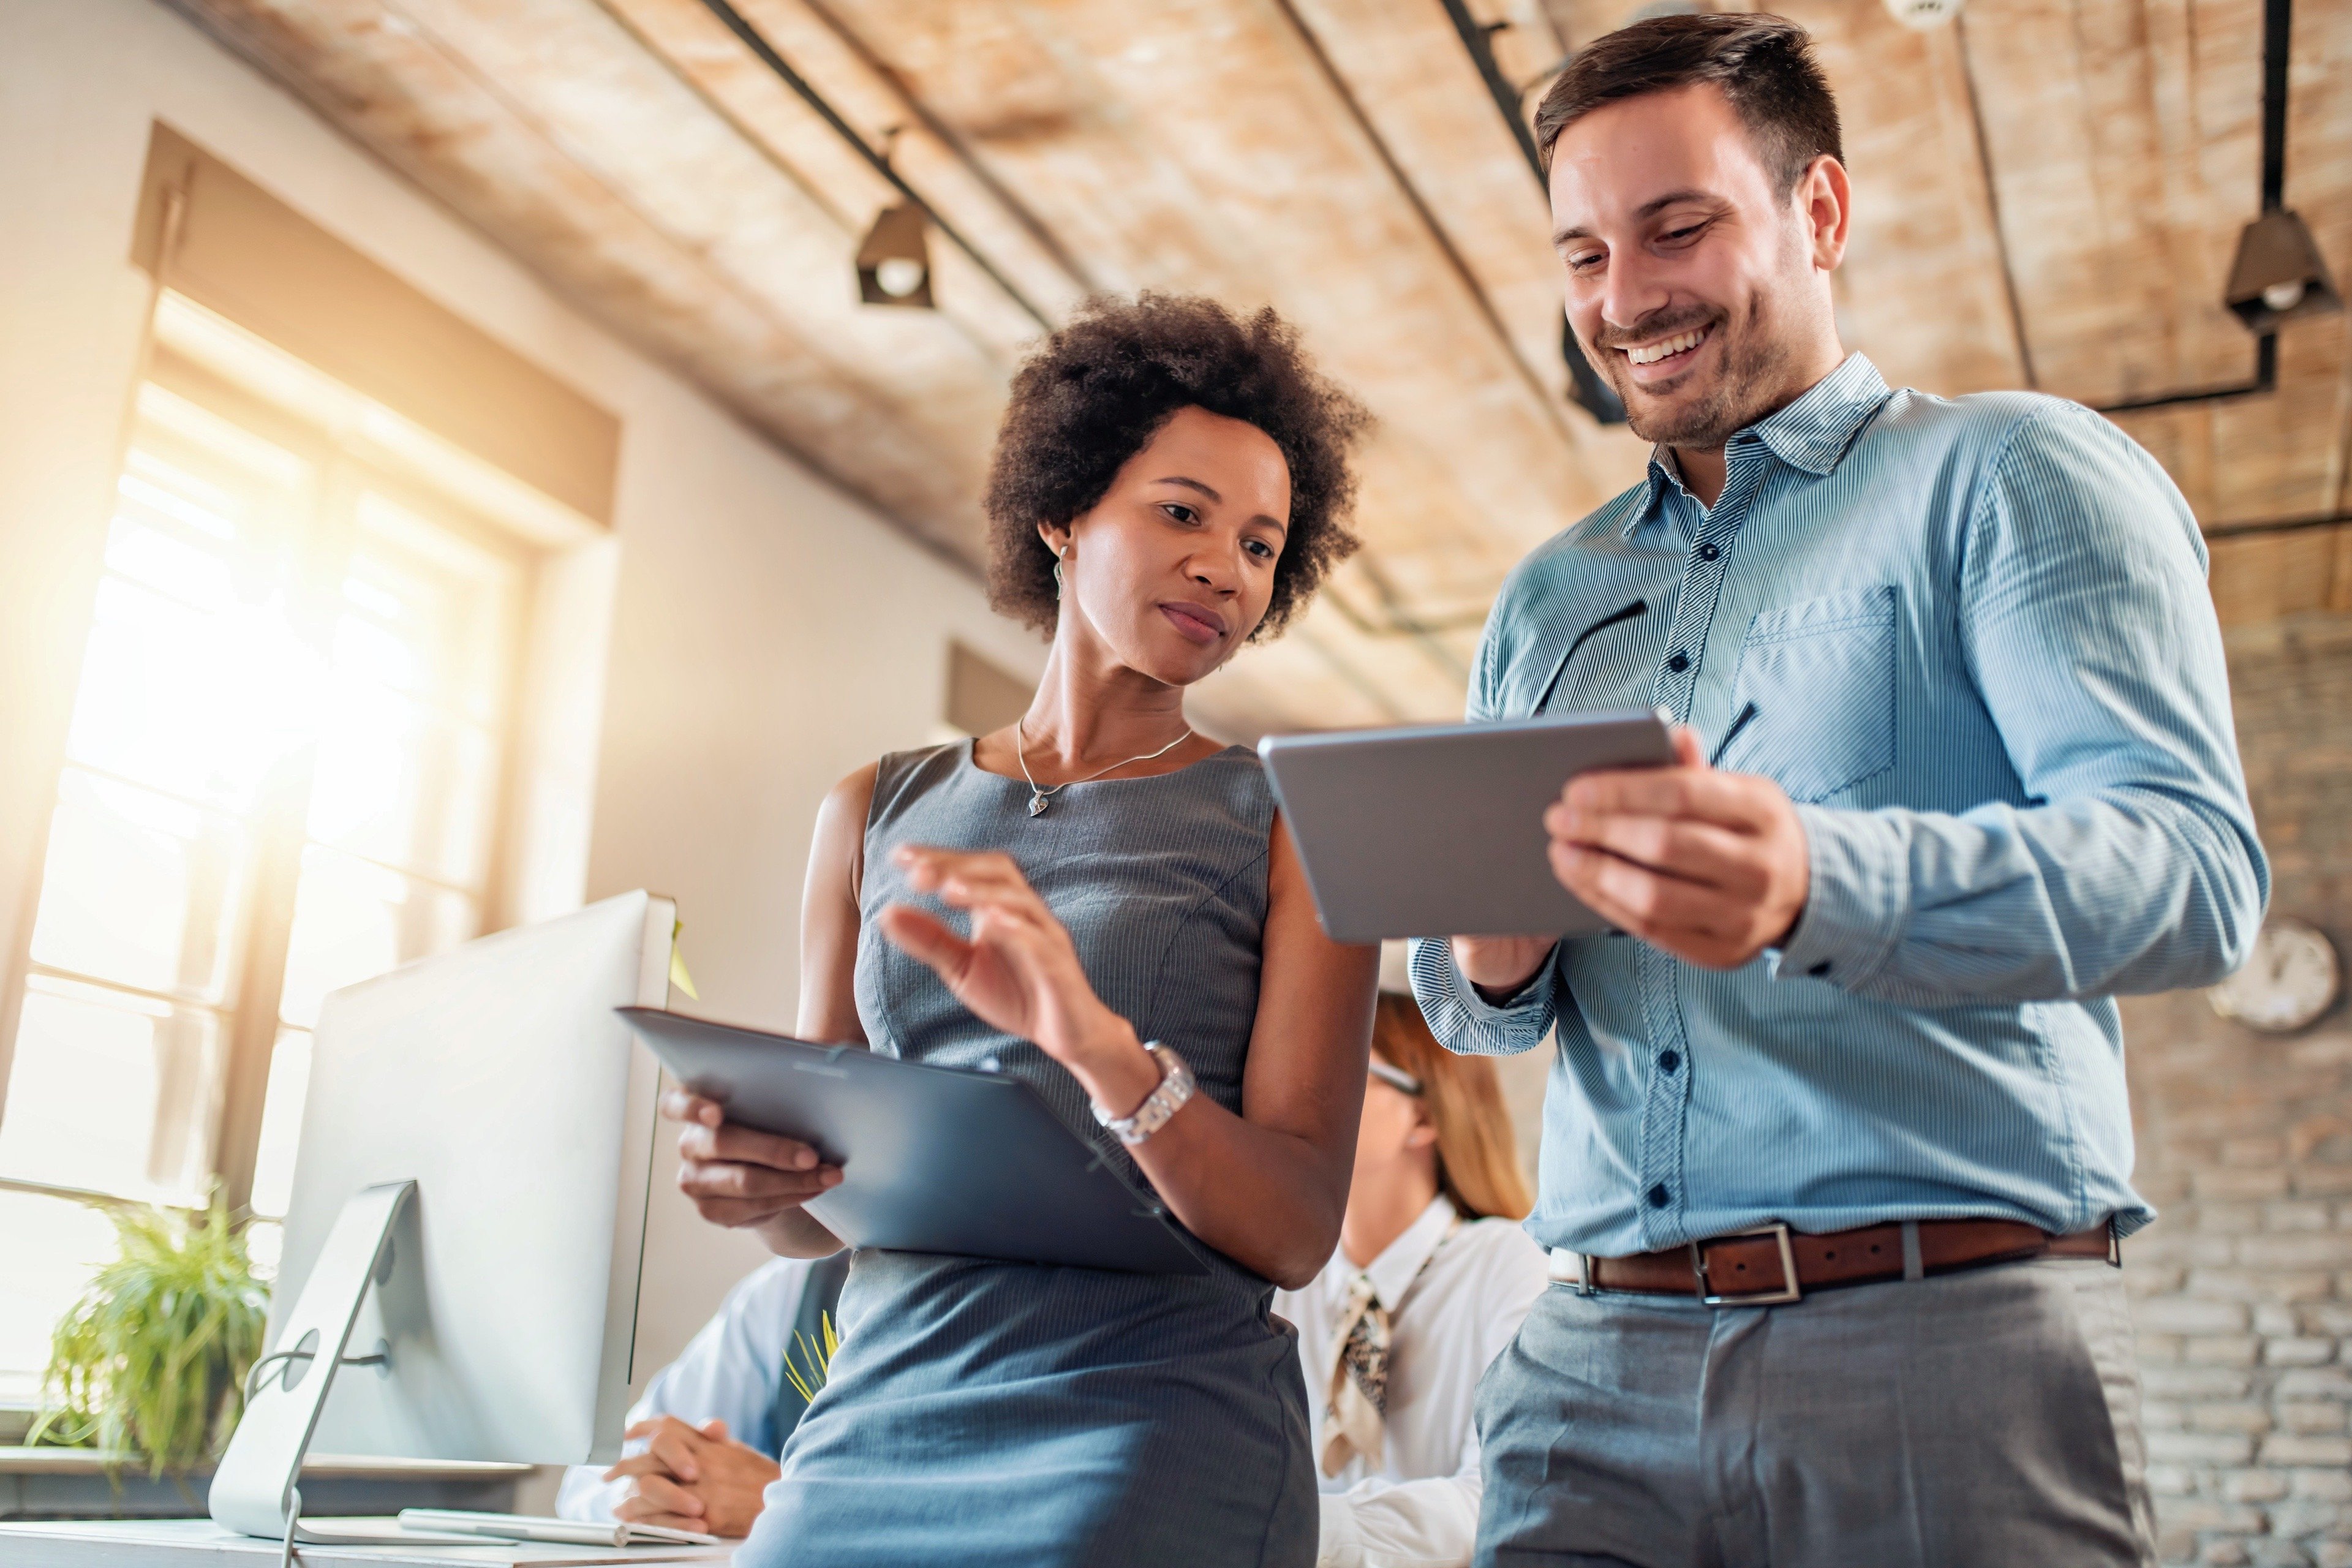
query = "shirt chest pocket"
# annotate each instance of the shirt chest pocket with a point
(1815, 697)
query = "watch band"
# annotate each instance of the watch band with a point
(1176, 1085)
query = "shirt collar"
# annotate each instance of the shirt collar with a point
(1395, 1268)
(1813, 433)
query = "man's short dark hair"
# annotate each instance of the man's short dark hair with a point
(1097, 392)
(1764, 64)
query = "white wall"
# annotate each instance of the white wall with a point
(770, 634)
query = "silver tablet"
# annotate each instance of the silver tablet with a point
(1438, 830)
(933, 1159)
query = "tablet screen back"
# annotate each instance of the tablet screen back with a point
(933, 1159)
(1438, 831)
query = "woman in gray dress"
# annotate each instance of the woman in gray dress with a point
(1104, 903)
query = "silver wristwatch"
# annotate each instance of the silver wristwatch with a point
(1176, 1087)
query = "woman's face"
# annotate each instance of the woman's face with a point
(1394, 1131)
(1174, 568)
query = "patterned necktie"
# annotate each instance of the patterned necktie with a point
(1357, 1407)
(1358, 1398)
(820, 1299)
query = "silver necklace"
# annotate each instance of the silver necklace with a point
(1040, 798)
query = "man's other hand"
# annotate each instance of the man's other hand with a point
(1711, 866)
(691, 1477)
(1501, 966)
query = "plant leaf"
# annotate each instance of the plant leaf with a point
(152, 1358)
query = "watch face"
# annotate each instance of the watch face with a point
(2291, 979)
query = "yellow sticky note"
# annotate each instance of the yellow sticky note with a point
(678, 975)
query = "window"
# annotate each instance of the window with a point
(287, 771)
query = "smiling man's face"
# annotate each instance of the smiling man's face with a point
(1699, 290)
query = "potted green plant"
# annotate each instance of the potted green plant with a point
(152, 1359)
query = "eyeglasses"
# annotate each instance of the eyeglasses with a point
(1396, 1078)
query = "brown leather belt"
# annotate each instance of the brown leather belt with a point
(1776, 1265)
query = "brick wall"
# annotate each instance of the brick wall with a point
(2243, 1286)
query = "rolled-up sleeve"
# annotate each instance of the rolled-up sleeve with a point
(2132, 864)
(1467, 1022)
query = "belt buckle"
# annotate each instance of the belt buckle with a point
(1789, 1290)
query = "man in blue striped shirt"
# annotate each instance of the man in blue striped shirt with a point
(1836, 1141)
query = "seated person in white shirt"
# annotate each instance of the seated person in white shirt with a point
(1430, 1279)
(702, 1442)
(1429, 1225)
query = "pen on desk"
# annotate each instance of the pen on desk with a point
(1732, 734)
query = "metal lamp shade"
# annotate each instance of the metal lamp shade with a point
(896, 237)
(2277, 249)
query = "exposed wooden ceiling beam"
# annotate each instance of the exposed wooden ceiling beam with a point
(1346, 161)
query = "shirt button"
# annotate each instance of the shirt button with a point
(1668, 1061)
(1658, 1198)
(1818, 970)
(1678, 661)
(1708, 552)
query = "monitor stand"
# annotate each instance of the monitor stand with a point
(256, 1489)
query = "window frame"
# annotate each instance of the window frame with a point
(346, 467)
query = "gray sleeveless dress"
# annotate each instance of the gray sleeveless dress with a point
(984, 1413)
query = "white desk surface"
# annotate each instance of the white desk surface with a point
(201, 1543)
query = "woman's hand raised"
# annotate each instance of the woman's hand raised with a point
(1018, 970)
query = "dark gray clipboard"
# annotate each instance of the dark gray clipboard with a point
(1437, 830)
(933, 1159)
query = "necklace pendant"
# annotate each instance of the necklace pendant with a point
(1037, 804)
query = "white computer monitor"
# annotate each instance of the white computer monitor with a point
(501, 1290)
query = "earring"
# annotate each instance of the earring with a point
(1059, 586)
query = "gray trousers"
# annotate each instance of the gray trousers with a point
(1989, 1419)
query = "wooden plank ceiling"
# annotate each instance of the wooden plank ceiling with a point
(2047, 195)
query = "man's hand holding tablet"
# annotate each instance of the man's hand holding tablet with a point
(1711, 866)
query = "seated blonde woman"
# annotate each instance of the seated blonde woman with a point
(1430, 1279)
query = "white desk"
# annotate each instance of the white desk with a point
(201, 1543)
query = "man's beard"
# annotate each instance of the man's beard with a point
(1753, 370)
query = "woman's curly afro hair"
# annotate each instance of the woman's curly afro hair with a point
(1101, 388)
